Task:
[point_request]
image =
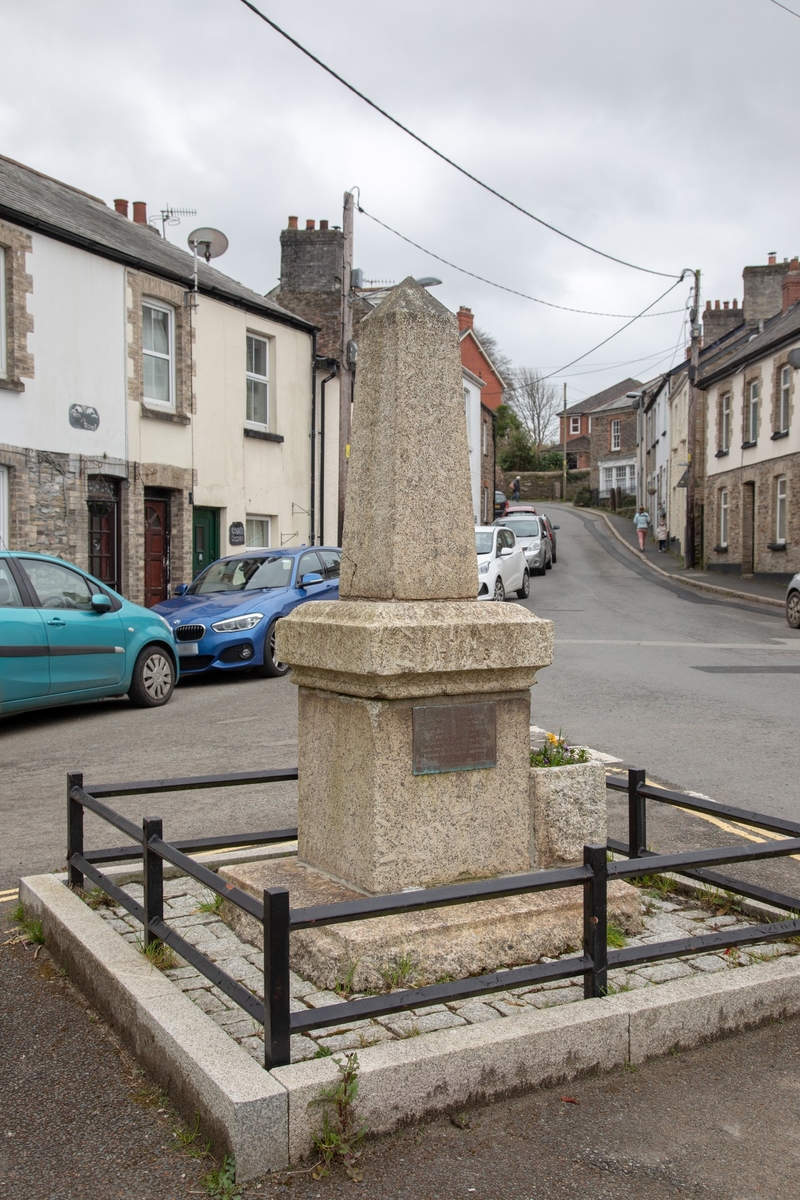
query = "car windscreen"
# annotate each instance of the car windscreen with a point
(244, 575)
(523, 528)
(483, 543)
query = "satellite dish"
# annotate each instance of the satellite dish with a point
(211, 243)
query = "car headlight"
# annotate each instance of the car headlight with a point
(484, 567)
(165, 623)
(238, 624)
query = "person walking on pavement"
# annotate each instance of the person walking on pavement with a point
(662, 535)
(515, 489)
(641, 523)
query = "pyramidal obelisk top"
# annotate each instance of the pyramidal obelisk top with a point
(408, 528)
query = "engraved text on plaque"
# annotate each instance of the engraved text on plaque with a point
(453, 737)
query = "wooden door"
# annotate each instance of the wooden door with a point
(205, 538)
(104, 531)
(156, 551)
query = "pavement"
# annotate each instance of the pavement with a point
(672, 564)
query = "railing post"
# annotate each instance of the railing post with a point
(637, 814)
(74, 828)
(276, 978)
(153, 869)
(595, 921)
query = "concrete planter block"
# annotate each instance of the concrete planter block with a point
(568, 807)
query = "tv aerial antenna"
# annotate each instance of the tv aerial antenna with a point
(210, 243)
(171, 216)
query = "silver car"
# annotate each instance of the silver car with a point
(531, 534)
(793, 602)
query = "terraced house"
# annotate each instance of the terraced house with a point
(752, 494)
(145, 427)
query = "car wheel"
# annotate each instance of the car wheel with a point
(272, 667)
(793, 609)
(525, 590)
(554, 558)
(499, 590)
(548, 566)
(153, 678)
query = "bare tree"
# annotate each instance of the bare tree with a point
(498, 357)
(535, 403)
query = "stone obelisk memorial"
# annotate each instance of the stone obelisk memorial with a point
(414, 700)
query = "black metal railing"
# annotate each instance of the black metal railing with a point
(278, 920)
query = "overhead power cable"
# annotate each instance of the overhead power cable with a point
(785, 9)
(589, 312)
(462, 170)
(605, 341)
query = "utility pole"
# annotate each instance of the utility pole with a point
(564, 463)
(689, 548)
(346, 373)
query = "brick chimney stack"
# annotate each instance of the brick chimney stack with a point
(121, 206)
(140, 212)
(791, 285)
(465, 319)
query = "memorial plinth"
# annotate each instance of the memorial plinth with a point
(414, 697)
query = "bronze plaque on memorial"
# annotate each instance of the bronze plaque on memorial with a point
(453, 737)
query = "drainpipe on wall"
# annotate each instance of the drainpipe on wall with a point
(323, 383)
(312, 535)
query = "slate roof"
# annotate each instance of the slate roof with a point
(601, 399)
(785, 327)
(58, 210)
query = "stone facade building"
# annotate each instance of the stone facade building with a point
(146, 428)
(752, 435)
(576, 423)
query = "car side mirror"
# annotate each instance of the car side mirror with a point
(556, 527)
(311, 577)
(101, 603)
(181, 589)
(504, 553)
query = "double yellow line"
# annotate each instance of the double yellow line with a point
(8, 895)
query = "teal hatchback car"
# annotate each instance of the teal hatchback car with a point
(65, 638)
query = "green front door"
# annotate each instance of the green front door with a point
(205, 538)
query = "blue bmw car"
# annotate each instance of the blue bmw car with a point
(67, 638)
(225, 619)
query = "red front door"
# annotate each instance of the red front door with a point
(156, 550)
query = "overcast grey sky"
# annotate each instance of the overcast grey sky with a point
(661, 131)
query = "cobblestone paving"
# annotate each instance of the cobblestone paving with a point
(665, 919)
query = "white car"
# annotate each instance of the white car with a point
(502, 566)
(531, 534)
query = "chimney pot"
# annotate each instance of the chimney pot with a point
(140, 212)
(771, 258)
(293, 222)
(736, 304)
(309, 224)
(121, 206)
(323, 226)
(724, 303)
(708, 305)
(790, 287)
(716, 304)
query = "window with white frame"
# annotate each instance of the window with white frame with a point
(158, 342)
(485, 437)
(725, 423)
(723, 516)
(783, 399)
(485, 504)
(608, 478)
(752, 416)
(257, 380)
(632, 480)
(590, 425)
(616, 435)
(257, 531)
(3, 325)
(574, 424)
(621, 476)
(780, 510)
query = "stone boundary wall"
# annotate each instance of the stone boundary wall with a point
(541, 485)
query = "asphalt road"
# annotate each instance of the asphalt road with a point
(630, 677)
